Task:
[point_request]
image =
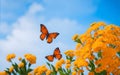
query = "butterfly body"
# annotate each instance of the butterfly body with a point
(56, 55)
(45, 34)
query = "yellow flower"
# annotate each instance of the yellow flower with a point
(69, 53)
(59, 64)
(11, 69)
(91, 73)
(75, 37)
(78, 46)
(48, 72)
(101, 42)
(31, 58)
(68, 66)
(40, 69)
(80, 71)
(21, 65)
(67, 61)
(74, 73)
(19, 58)
(3, 73)
(62, 61)
(10, 56)
(30, 74)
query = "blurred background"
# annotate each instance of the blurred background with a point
(20, 24)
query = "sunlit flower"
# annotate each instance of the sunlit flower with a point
(68, 61)
(19, 58)
(100, 43)
(31, 58)
(68, 66)
(75, 37)
(3, 73)
(30, 73)
(40, 69)
(48, 72)
(10, 56)
(21, 64)
(59, 64)
(74, 73)
(80, 71)
(91, 73)
(69, 53)
(11, 69)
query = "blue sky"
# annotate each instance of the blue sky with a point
(20, 24)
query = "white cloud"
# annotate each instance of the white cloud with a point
(24, 37)
(34, 8)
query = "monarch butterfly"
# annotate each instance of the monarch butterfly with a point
(45, 34)
(56, 55)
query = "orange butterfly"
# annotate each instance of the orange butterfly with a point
(56, 55)
(45, 34)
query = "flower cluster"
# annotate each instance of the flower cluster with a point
(3, 73)
(68, 64)
(23, 68)
(21, 64)
(42, 70)
(69, 53)
(31, 58)
(59, 64)
(10, 56)
(99, 47)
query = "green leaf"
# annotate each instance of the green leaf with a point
(53, 73)
(100, 54)
(71, 58)
(112, 45)
(29, 70)
(43, 74)
(48, 64)
(25, 64)
(69, 71)
(96, 58)
(78, 41)
(13, 72)
(103, 72)
(66, 71)
(15, 66)
(61, 71)
(91, 65)
(53, 68)
(67, 57)
(23, 60)
(29, 65)
(82, 73)
(21, 72)
(118, 54)
(7, 72)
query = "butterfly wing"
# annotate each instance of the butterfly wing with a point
(50, 58)
(52, 36)
(56, 51)
(44, 32)
(57, 54)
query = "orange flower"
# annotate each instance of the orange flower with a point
(31, 58)
(91, 73)
(3, 73)
(10, 56)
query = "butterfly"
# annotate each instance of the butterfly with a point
(56, 55)
(45, 34)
